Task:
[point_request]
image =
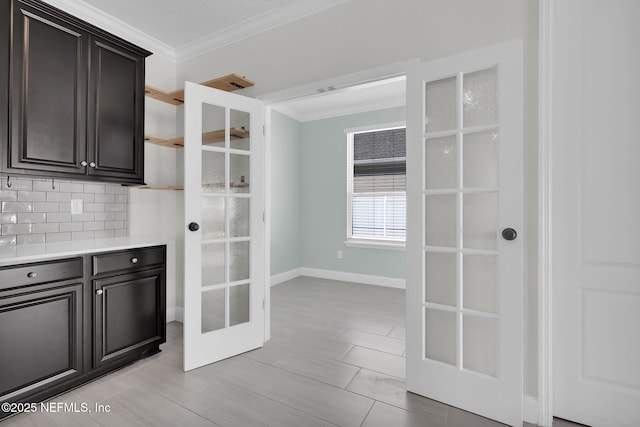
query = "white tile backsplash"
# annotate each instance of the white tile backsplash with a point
(34, 211)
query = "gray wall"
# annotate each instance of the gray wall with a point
(286, 191)
(309, 197)
(324, 199)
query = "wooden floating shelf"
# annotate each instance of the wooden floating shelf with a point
(227, 83)
(218, 135)
(231, 184)
(173, 142)
(212, 137)
(157, 187)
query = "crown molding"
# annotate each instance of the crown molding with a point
(113, 25)
(330, 113)
(251, 27)
(240, 31)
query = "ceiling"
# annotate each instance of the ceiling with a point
(182, 29)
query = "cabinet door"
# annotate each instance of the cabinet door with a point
(47, 94)
(129, 315)
(41, 336)
(116, 113)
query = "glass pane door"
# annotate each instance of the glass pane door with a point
(224, 251)
(464, 187)
(225, 208)
(461, 137)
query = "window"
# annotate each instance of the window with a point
(376, 185)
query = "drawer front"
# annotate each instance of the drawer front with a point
(127, 260)
(41, 272)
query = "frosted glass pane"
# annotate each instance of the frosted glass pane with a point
(440, 336)
(480, 344)
(213, 310)
(441, 156)
(239, 304)
(440, 278)
(238, 261)
(239, 216)
(213, 172)
(480, 221)
(480, 159)
(480, 282)
(240, 123)
(480, 98)
(213, 217)
(239, 174)
(440, 220)
(212, 264)
(213, 120)
(440, 105)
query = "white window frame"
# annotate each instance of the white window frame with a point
(366, 242)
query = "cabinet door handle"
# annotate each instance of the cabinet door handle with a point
(32, 275)
(134, 260)
(92, 164)
(84, 163)
(99, 292)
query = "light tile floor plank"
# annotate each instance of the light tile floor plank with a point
(378, 361)
(332, 404)
(383, 415)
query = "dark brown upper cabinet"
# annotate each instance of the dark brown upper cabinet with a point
(72, 97)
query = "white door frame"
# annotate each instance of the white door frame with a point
(545, 236)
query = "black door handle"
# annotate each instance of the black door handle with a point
(194, 226)
(509, 234)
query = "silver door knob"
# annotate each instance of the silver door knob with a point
(84, 163)
(134, 260)
(92, 164)
(32, 275)
(99, 292)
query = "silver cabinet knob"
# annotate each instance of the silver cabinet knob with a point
(99, 292)
(32, 275)
(84, 163)
(134, 260)
(92, 164)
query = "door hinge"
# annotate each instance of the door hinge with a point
(264, 130)
(263, 303)
(264, 215)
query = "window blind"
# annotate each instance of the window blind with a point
(379, 184)
(379, 161)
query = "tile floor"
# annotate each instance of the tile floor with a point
(336, 358)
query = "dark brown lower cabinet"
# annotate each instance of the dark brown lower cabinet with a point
(65, 322)
(129, 315)
(41, 338)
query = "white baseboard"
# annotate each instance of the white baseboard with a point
(175, 314)
(530, 409)
(390, 282)
(276, 279)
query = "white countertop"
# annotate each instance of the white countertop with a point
(39, 252)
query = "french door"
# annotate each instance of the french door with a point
(224, 220)
(465, 237)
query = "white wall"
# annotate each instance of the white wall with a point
(155, 213)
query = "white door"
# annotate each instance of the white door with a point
(595, 152)
(224, 242)
(464, 188)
